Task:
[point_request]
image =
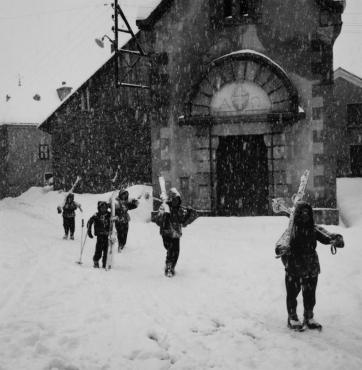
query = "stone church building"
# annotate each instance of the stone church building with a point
(240, 105)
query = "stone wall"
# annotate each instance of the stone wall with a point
(101, 128)
(21, 165)
(300, 39)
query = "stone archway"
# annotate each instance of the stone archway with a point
(243, 83)
(248, 96)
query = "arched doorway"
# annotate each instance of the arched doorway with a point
(245, 100)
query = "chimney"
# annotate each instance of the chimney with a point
(63, 91)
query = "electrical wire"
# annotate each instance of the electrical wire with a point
(51, 40)
(48, 61)
(57, 11)
(66, 67)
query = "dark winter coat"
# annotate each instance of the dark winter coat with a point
(101, 222)
(123, 206)
(300, 258)
(171, 223)
(70, 206)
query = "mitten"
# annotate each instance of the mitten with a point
(59, 209)
(338, 242)
(90, 233)
(189, 209)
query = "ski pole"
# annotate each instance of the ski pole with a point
(81, 252)
(81, 235)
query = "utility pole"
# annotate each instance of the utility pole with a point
(116, 41)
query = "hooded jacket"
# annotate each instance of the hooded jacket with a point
(100, 220)
(301, 258)
(171, 223)
(69, 206)
(123, 206)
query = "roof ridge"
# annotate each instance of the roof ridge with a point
(158, 12)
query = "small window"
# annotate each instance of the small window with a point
(43, 151)
(244, 6)
(354, 114)
(184, 183)
(356, 160)
(228, 8)
(48, 178)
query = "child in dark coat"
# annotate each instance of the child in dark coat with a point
(123, 205)
(69, 208)
(171, 217)
(101, 222)
(301, 262)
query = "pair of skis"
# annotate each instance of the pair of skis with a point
(112, 236)
(278, 205)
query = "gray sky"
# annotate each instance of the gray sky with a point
(46, 42)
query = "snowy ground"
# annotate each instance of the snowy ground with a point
(225, 308)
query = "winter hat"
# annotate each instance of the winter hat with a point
(102, 203)
(298, 212)
(173, 193)
(121, 192)
(70, 197)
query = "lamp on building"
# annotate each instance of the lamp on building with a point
(100, 42)
(63, 91)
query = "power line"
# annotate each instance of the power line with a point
(34, 77)
(70, 9)
(58, 11)
(56, 44)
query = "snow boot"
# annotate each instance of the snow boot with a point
(72, 237)
(120, 248)
(65, 236)
(168, 270)
(96, 265)
(295, 324)
(311, 323)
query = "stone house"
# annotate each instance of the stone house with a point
(241, 104)
(25, 158)
(348, 116)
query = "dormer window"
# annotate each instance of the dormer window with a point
(240, 8)
(228, 8)
(231, 13)
(244, 7)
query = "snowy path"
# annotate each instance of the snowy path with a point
(225, 308)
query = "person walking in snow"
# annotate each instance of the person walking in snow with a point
(171, 218)
(301, 262)
(69, 208)
(122, 206)
(101, 222)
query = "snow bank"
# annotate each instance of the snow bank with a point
(349, 196)
(224, 309)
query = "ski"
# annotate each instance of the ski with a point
(60, 207)
(112, 236)
(163, 188)
(295, 199)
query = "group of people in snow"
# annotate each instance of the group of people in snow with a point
(171, 218)
(298, 250)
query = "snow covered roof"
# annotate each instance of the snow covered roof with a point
(75, 62)
(342, 73)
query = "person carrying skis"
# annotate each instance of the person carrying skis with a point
(122, 206)
(301, 263)
(69, 208)
(101, 222)
(171, 218)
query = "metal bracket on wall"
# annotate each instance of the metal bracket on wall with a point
(140, 53)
